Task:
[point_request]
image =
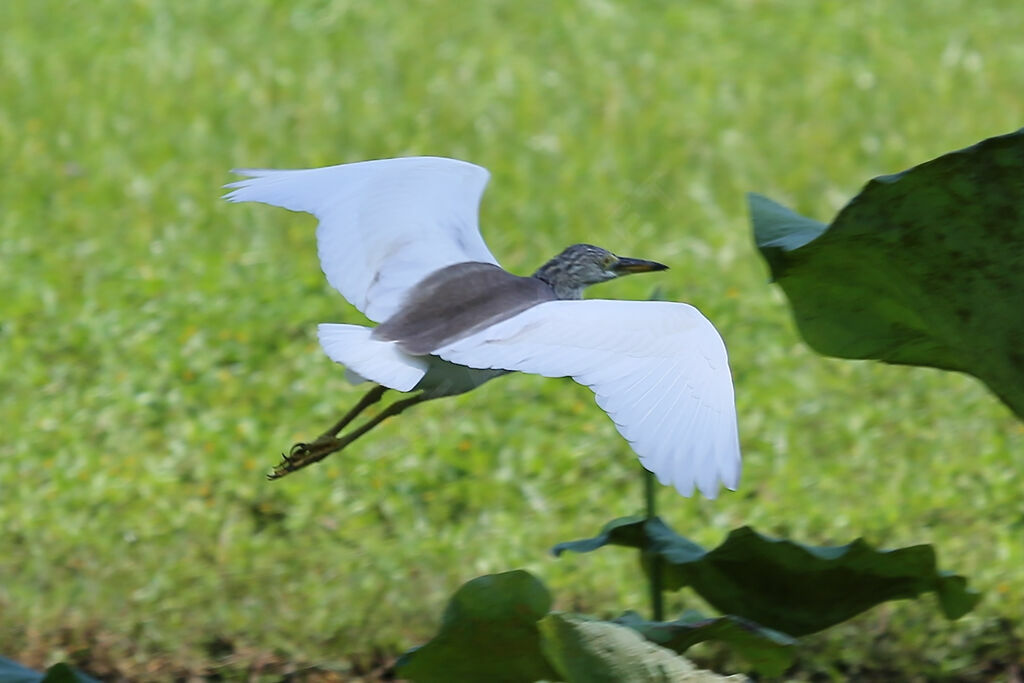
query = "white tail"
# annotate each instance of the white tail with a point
(378, 361)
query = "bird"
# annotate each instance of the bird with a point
(399, 239)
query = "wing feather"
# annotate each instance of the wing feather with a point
(660, 370)
(384, 225)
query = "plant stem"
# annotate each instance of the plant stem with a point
(650, 512)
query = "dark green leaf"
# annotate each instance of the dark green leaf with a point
(784, 585)
(769, 652)
(12, 672)
(629, 532)
(589, 651)
(488, 633)
(62, 673)
(924, 267)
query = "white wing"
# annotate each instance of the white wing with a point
(659, 369)
(384, 225)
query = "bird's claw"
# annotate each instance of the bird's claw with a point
(290, 461)
(301, 455)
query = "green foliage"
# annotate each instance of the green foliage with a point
(767, 651)
(158, 348)
(786, 586)
(584, 650)
(496, 628)
(489, 632)
(923, 267)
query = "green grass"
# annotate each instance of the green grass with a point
(157, 346)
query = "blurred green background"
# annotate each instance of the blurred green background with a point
(158, 350)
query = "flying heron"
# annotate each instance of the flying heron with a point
(399, 239)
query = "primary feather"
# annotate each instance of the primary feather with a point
(659, 369)
(384, 225)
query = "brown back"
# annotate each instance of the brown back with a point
(456, 301)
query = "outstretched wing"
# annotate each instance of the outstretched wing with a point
(384, 225)
(659, 369)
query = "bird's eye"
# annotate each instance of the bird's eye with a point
(608, 262)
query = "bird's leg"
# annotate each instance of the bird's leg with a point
(303, 455)
(371, 397)
(301, 450)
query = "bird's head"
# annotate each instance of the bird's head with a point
(584, 264)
